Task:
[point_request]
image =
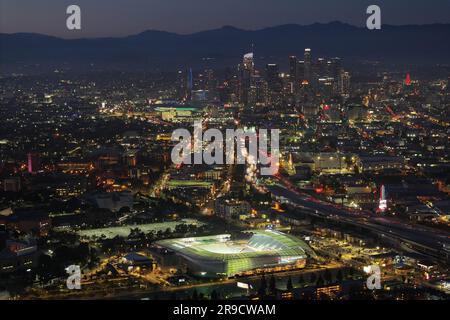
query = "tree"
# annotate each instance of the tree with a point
(289, 285)
(195, 295)
(214, 295)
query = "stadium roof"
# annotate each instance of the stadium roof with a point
(263, 242)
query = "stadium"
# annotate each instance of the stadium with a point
(221, 256)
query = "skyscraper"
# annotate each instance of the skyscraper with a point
(321, 68)
(334, 71)
(335, 68)
(307, 65)
(274, 83)
(301, 71)
(181, 85)
(344, 83)
(293, 69)
(258, 91)
(246, 71)
(293, 73)
(189, 84)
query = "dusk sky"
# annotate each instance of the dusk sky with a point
(124, 17)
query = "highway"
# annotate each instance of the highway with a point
(425, 240)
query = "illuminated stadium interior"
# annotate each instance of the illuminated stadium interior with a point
(219, 255)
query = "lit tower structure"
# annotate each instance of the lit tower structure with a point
(274, 84)
(382, 206)
(189, 84)
(246, 72)
(408, 79)
(344, 83)
(293, 72)
(307, 65)
(34, 163)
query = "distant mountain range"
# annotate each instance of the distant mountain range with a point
(151, 50)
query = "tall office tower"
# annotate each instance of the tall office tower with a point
(308, 65)
(334, 71)
(344, 83)
(246, 71)
(229, 90)
(34, 163)
(181, 84)
(301, 71)
(258, 91)
(321, 68)
(293, 69)
(335, 68)
(274, 83)
(293, 74)
(189, 84)
(210, 82)
(273, 76)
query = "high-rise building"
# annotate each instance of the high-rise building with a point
(181, 84)
(321, 68)
(258, 91)
(211, 82)
(274, 83)
(334, 71)
(246, 71)
(293, 69)
(293, 74)
(273, 76)
(34, 162)
(189, 84)
(335, 68)
(307, 65)
(301, 71)
(344, 83)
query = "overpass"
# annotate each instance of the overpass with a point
(427, 241)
